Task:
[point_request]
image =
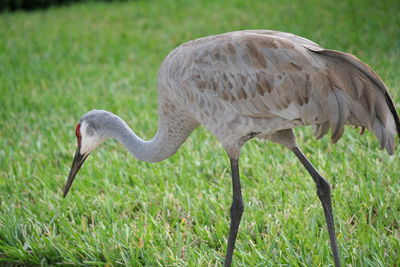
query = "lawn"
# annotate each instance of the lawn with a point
(59, 63)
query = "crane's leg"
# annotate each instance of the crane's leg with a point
(324, 194)
(236, 211)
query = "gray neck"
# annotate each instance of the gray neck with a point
(164, 144)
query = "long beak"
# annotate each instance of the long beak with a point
(76, 164)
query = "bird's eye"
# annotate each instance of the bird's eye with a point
(78, 133)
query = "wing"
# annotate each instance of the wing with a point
(289, 36)
(266, 73)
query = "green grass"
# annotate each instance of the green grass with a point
(57, 64)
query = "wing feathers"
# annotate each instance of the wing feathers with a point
(338, 109)
(362, 97)
(267, 73)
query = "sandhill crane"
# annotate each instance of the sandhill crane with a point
(253, 83)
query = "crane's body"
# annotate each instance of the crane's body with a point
(260, 82)
(247, 84)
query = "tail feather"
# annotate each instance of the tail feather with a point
(359, 97)
(393, 111)
(338, 109)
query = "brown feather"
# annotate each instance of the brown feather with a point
(267, 72)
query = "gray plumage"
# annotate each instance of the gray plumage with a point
(254, 83)
(267, 81)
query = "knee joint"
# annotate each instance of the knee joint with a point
(237, 207)
(323, 188)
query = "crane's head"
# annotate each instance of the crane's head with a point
(91, 131)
